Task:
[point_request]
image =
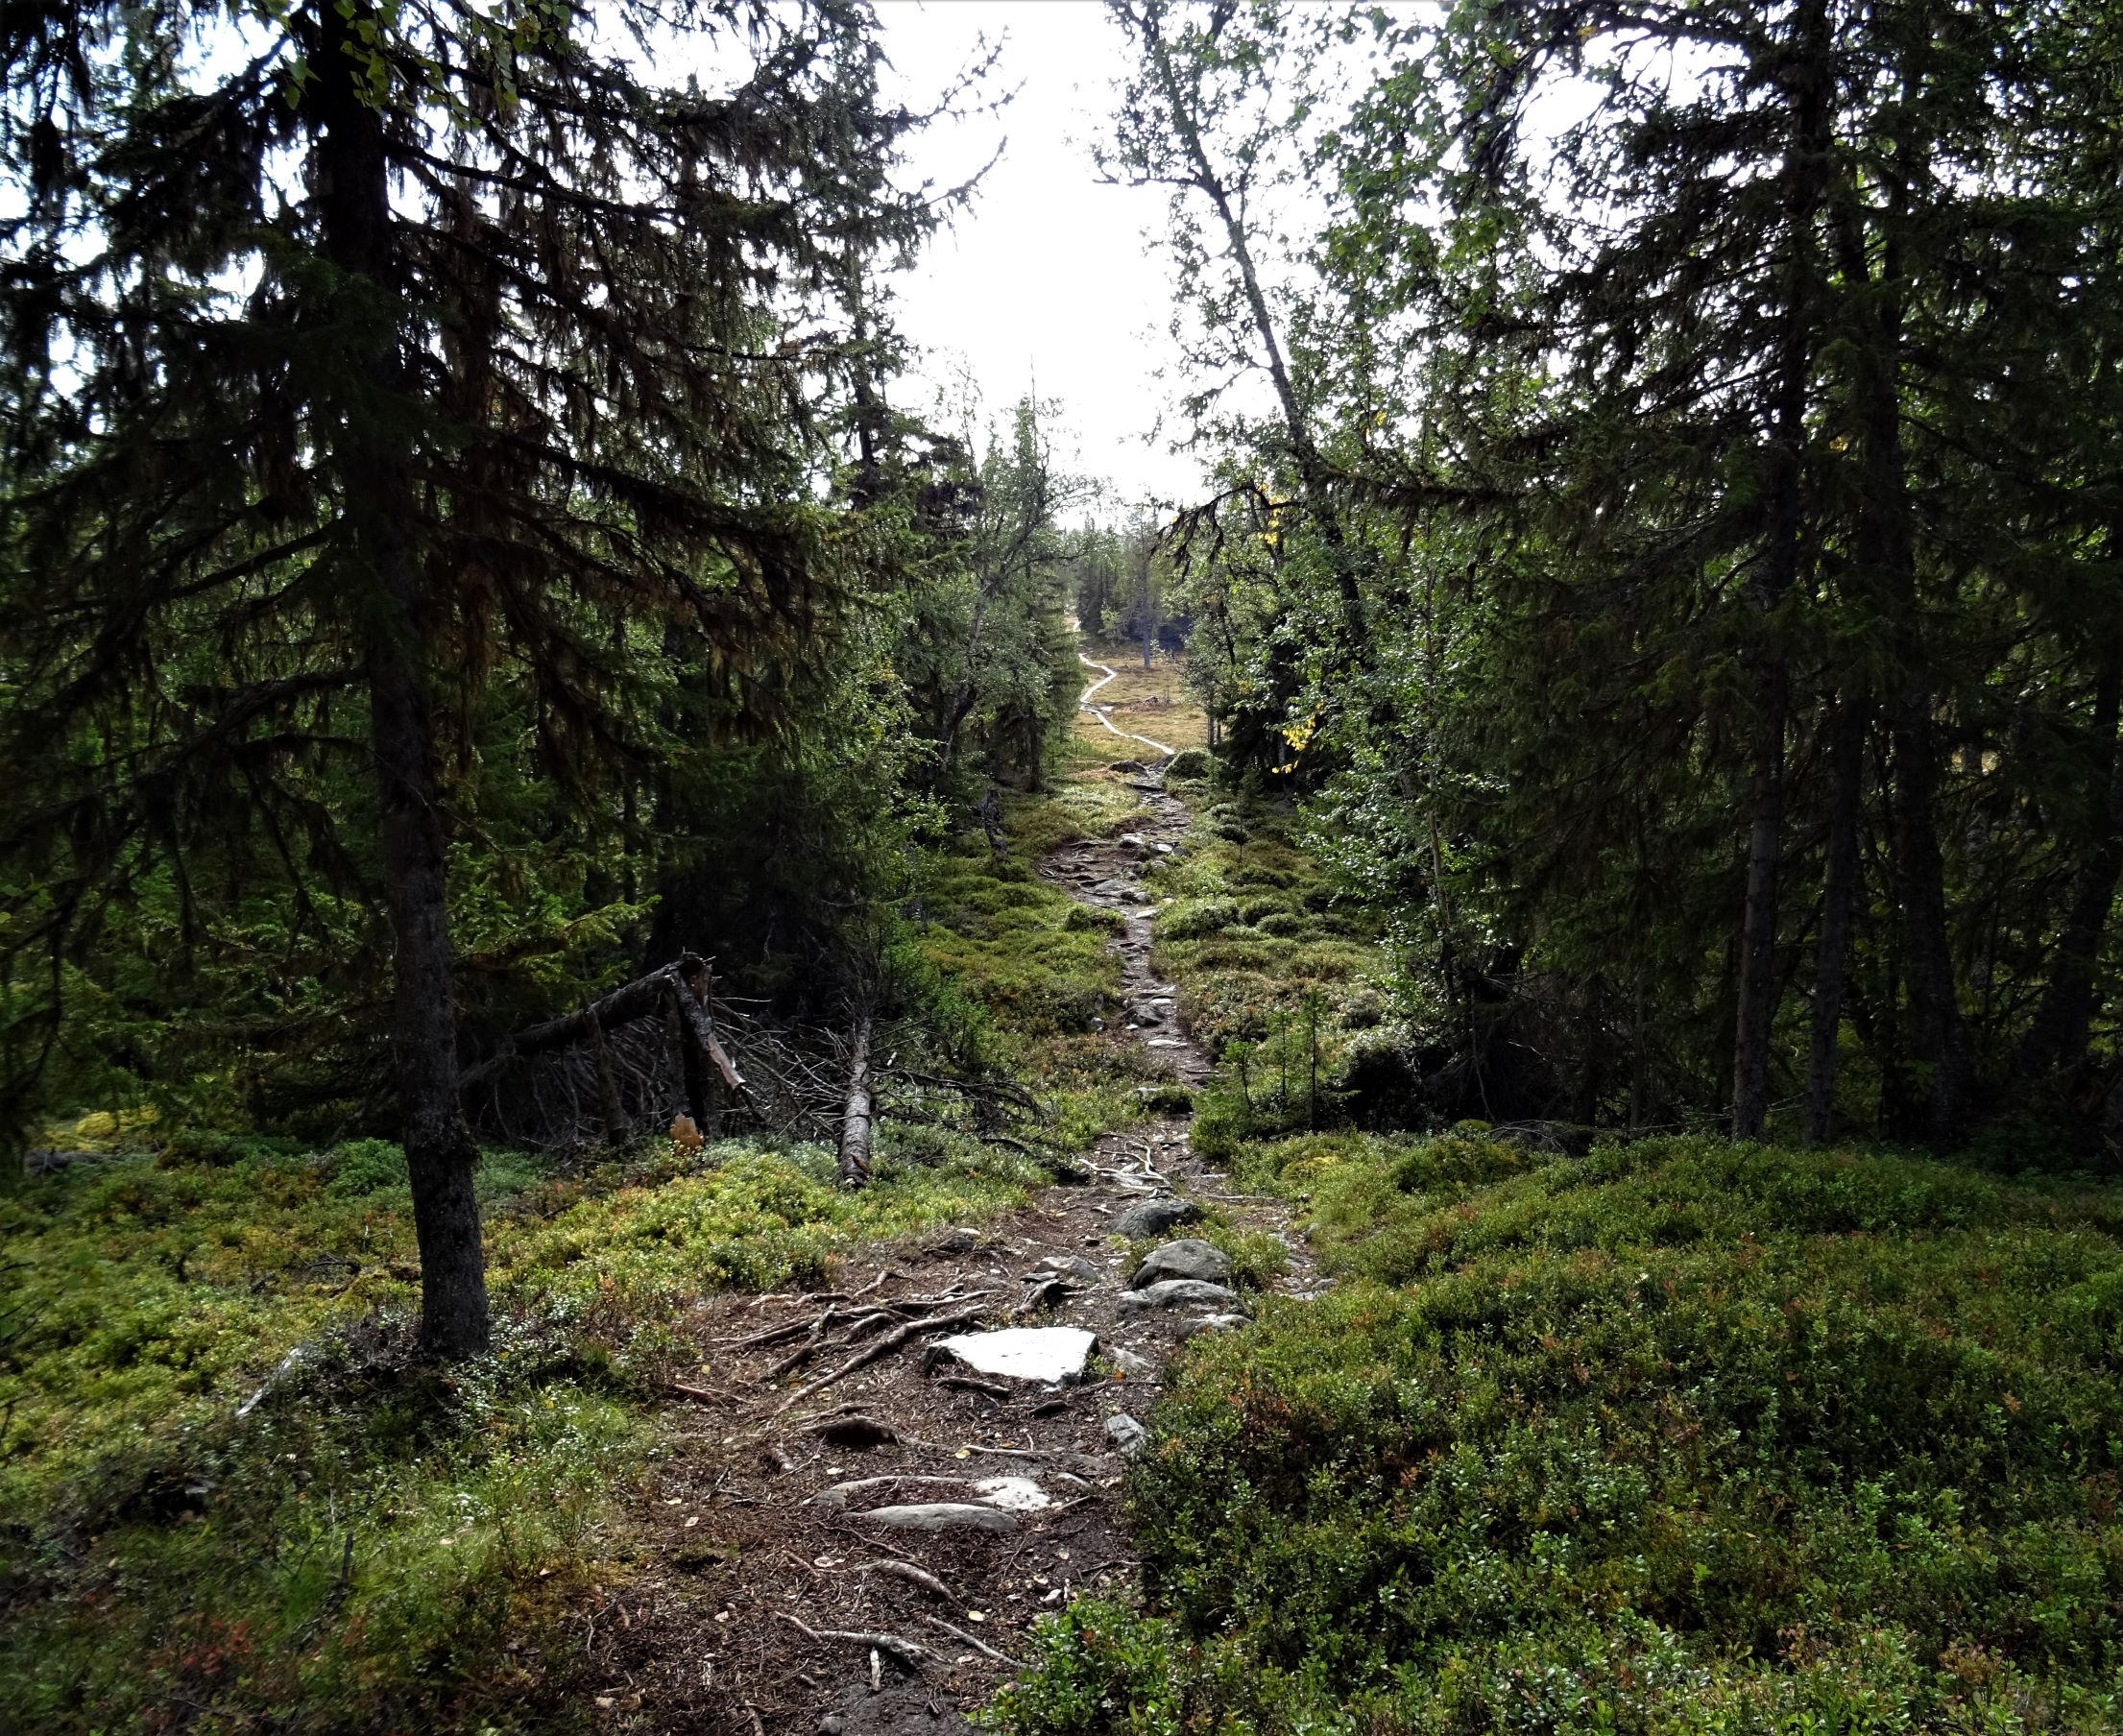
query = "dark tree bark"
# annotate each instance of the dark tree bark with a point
(1754, 1014)
(375, 476)
(1838, 898)
(1885, 548)
(1755, 1006)
(1939, 1035)
(2056, 1037)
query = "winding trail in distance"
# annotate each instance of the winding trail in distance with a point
(1099, 712)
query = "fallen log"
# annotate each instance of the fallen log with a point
(624, 1005)
(684, 982)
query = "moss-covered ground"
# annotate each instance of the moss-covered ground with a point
(1680, 1436)
(1676, 1435)
(379, 1545)
(375, 1544)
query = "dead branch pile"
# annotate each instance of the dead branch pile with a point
(667, 1045)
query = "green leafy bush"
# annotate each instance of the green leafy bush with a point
(1192, 920)
(365, 1165)
(382, 1547)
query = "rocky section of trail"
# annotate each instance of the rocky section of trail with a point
(1107, 874)
(892, 1480)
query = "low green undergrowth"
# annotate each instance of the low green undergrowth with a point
(1274, 978)
(1679, 1437)
(373, 1544)
(377, 1544)
(1038, 964)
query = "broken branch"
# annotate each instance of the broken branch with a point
(911, 1653)
(884, 1347)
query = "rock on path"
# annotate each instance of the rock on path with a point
(1053, 1355)
(1186, 1258)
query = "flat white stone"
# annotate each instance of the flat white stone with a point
(1014, 1494)
(1174, 1292)
(1047, 1354)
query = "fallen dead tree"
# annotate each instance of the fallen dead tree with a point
(667, 1045)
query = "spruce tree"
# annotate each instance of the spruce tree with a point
(357, 353)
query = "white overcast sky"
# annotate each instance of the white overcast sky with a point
(1049, 280)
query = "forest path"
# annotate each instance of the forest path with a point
(1086, 704)
(865, 1561)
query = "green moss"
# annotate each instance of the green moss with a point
(376, 1545)
(371, 1537)
(1680, 1436)
(1011, 944)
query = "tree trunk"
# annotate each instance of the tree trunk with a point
(854, 1120)
(395, 623)
(969, 692)
(1311, 469)
(1886, 554)
(1838, 896)
(1941, 1042)
(1754, 1014)
(1756, 1006)
(2057, 1038)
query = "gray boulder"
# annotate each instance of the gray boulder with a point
(1072, 1267)
(1186, 1258)
(1153, 1217)
(1126, 1434)
(1177, 1292)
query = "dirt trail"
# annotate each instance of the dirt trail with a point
(759, 1607)
(1087, 704)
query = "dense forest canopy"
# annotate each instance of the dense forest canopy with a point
(1676, 557)
(465, 546)
(462, 544)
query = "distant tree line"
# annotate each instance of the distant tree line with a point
(1674, 552)
(1122, 579)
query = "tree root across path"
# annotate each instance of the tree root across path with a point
(780, 1568)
